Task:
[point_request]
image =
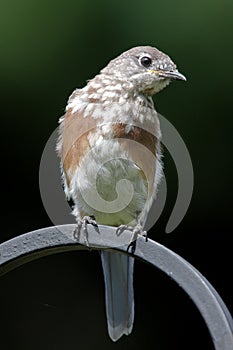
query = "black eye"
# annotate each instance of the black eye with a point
(146, 61)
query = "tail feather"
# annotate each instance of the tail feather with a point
(119, 296)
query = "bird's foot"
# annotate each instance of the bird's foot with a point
(136, 231)
(82, 225)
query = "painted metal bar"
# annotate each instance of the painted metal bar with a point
(51, 240)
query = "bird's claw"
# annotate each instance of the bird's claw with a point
(136, 231)
(82, 225)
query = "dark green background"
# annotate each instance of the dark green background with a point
(47, 49)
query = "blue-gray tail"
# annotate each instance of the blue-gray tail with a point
(119, 296)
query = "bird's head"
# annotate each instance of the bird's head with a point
(148, 69)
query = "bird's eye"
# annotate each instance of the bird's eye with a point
(146, 61)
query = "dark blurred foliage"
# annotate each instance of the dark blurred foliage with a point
(47, 49)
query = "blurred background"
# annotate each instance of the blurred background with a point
(50, 47)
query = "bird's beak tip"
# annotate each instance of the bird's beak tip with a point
(181, 77)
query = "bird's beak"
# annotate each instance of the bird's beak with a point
(172, 75)
(168, 74)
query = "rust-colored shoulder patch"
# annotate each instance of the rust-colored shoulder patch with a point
(74, 134)
(142, 148)
(135, 133)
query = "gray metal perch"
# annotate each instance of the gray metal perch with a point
(51, 240)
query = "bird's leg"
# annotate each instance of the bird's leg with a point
(136, 230)
(82, 224)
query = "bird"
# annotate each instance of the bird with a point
(110, 131)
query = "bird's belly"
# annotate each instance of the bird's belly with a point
(109, 185)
